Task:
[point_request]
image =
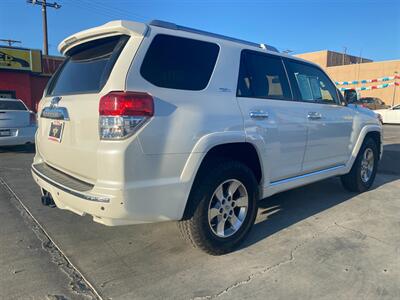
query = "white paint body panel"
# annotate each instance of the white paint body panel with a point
(148, 176)
(17, 122)
(390, 115)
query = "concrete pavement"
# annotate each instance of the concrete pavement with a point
(314, 242)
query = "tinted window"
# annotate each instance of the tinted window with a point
(262, 76)
(179, 63)
(87, 67)
(311, 83)
(11, 105)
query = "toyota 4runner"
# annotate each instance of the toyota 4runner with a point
(156, 122)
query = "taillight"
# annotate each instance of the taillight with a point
(32, 118)
(122, 113)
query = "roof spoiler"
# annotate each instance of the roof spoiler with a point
(108, 29)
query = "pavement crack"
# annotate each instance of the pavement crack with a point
(362, 233)
(266, 269)
(78, 284)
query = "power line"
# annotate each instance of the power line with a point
(44, 6)
(10, 42)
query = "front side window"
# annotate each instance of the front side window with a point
(311, 83)
(262, 76)
(179, 63)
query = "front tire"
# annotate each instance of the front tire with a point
(223, 207)
(362, 174)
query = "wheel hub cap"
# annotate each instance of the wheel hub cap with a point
(367, 165)
(228, 208)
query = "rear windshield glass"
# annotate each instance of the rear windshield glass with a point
(11, 105)
(87, 67)
(179, 63)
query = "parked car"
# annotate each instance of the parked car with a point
(17, 123)
(371, 103)
(390, 115)
(156, 122)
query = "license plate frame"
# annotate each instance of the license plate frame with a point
(5, 132)
(56, 131)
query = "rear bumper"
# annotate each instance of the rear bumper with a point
(134, 204)
(22, 136)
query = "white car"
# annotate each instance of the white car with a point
(17, 123)
(157, 122)
(390, 115)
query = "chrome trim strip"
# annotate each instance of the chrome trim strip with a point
(287, 180)
(70, 191)
(56, 113)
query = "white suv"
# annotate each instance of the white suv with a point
(156, 122)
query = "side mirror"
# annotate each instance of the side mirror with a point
(350, 96)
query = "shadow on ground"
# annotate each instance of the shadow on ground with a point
(285, 209)
(28, 148)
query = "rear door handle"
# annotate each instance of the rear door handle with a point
(259, 115)
(314, 115)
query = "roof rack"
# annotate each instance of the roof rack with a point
(174, 26)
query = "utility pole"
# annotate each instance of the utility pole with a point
(44, 6)
(394, 90)
(344, 55)
(10, 42)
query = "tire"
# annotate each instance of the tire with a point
(210, 224)
(355, 181)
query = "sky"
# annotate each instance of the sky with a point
(371, 28)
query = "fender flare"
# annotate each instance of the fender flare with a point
(205, 144)
(361, 137)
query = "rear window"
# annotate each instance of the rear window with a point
(87, 67)
(11, 105)
(179, 63)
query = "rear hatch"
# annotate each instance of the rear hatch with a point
(68, 135)
(13, 115)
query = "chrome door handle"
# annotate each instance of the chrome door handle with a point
(259, 115)
(314, 115)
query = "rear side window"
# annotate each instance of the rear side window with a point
(87, 67)
(262, 76)
(11, 105)
(311, 83)
(179, 63)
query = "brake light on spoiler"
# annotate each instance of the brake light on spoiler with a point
(122, 113)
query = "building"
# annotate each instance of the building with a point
(358, 69)
(24, 73)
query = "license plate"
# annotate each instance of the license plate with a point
(56, 131)
(5, 132)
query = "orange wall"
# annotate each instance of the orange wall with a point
(370, 71)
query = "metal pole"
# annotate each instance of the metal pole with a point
(45, 42)
(44, 5)
(394, 91)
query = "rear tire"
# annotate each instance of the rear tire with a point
(362, 174)
(222, 207)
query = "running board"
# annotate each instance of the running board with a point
(291, 179)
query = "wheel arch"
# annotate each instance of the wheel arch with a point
(241, 151)
(373, 131)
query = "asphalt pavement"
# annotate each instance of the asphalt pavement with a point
(314, 242)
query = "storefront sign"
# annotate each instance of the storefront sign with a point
(20, 59)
